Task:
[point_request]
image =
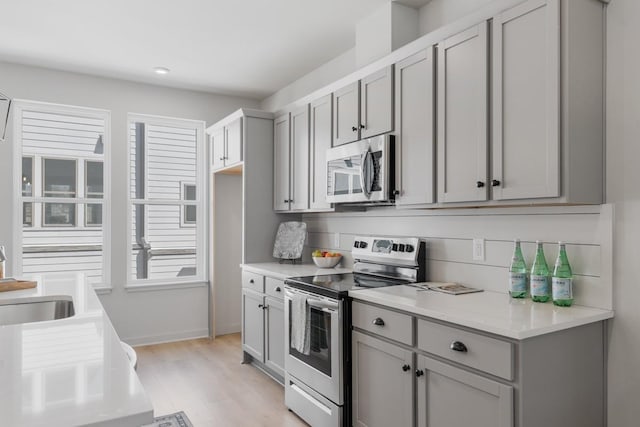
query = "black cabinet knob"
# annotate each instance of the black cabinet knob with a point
(261, 306)
(495, 182)
(353, 128)
(458, 346)
(419, 372)
(221, 158)
(286, 201)
(278, 289)
(405, 368)
(251, 281)
(378, 321)
(361, 126)
(479, 184)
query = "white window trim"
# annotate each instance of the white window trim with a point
(202, 272)
(85, 188)
(19, 106)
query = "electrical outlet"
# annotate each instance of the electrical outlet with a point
(336, 240)
(478, 249)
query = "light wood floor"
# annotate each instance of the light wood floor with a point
(205, 379)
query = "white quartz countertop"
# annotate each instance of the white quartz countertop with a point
(286, 270)
(67, 372)
(492, 312)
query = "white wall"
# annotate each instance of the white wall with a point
(227, 205)
(623, 190)
(139, 317)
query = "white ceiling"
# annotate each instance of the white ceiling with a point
(242, 47)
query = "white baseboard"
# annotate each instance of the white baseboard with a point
(165, 338)
(228, 329)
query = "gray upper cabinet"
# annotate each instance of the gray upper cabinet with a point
(346, 114)
(321, 132)
(233, 142)
(463, 116)
(526, 101)
(217, 145)
(415, 129)
(281, 159)
(376, 103)
(450, 397)
(226, 145)
(299, 165)
(382, 383)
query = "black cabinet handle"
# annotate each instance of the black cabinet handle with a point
(361, 126)
(278, 289)
(260, 306)
(419, 372)
(479, 184)
(405, 368)
(286, 201)
(378, 321)
(250, 280)
(353, 128)
(495, 182)
(221, 158)
(458, 346)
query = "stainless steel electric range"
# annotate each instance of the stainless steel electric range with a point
(318, 379)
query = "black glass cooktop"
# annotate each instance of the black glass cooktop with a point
(338, 285)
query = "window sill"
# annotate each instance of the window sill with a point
(165, 286)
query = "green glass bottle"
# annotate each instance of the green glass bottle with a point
(562, 280)
(540, 286)
(517, 273)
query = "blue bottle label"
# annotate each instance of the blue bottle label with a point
(562, 288)
(539, 286)
(517, 282)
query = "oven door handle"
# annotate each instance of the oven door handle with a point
(316, 303)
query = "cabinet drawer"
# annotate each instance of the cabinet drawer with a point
(274, 287)
(387, 323)
(477, 351)
(253, 281)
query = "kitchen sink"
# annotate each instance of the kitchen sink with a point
(36, 311)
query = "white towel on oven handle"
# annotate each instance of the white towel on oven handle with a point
(300, 324)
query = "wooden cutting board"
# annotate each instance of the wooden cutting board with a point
(17, 285)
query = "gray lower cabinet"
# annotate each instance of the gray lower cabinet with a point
(451, 397)
(382, 383)
(410, 370)
(263, 322)
(274, 335)
(253, 323)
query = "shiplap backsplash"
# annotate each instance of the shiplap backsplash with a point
(587, 231)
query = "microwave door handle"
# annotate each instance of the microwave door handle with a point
(367, 181)
(363, 160)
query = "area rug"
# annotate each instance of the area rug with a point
(179, 419)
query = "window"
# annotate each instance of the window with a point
(63, 152)
(188, 211)
(166, 176)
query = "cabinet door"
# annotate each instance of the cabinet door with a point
(451, 397)
(376, 103)
(526, 101)
(346, 114)
(281, 161)
(274, 335)
(321, 121)
(382, 383)
(462, 116)
(234, 142)
(300, 159)
(217, 148)
(415, 141)
(253, 324)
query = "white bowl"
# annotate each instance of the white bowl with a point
(326, 262)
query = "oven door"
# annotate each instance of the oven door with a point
(322, 368)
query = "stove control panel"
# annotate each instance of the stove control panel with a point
(393, 249)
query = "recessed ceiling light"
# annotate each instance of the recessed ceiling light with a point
(161, 70)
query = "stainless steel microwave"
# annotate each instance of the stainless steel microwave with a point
(362, 171)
